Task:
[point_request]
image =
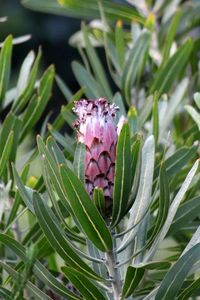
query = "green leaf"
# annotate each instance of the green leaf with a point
(33, 289)
(60, 210)
(189, 290)
(84, 210)
(6, 153)
(63, 87)
(96, 65)
(173, 209)
(122, 181)
(100, 269)
(164, 203)
(24, 73)
(11, 123)
(132, 279)
(174, 279)
(65, 141)
(18, 200)
(135, 170)
(117, 99)
(145, 112)
(5, 65)
(7, 126)
(56, 151)
(53, 172)
(133, 64)
(194, 114)
(68, 116)
(187, 212)
(44, 93)
(177, 160)
(38, 269)
(143, 198)
(99, 200)
(197, 99)
(93, 89)
(57, 238)
(170, 36)
(120, 43)
(66, 111)
(79, 161)
(24, 97)
(155, 117)
(135, 273)
(166, 75)
(132, 120)
(24, 192)
(6, 294)
(172, 107)
(87, 9)
(85, 286)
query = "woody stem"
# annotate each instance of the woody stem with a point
(113, 274)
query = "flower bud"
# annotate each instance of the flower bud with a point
(97, 130)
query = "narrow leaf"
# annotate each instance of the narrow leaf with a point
(170, 36)
(189, 290)
(87, 9)
(132, 279)
(194, 114)
(133, 64)
(85, 79)
(33, 289)
(6, 153)
(155, 117)
(24, 192)
(64, 88)
(186, 213)
(122, 182)
(44, 93)
(96, 65)
(99, 200)
(38, 269)
(56, 236)
(172, 210)
(24, 73)
(164, 203)
(24, 97)
(53, 172)
(174, 279)
(5, 65)
(135, 273)
(81, 282)
(86, 213)
(143, 198)
(120, 43)
(167, 74)
(79, 161)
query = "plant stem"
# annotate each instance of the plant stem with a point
(113, 273)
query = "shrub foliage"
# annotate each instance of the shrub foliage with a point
(55, 242)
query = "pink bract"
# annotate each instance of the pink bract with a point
(97, 130)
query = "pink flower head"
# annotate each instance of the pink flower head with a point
(97, 130)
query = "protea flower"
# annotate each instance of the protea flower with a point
(97, 130)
